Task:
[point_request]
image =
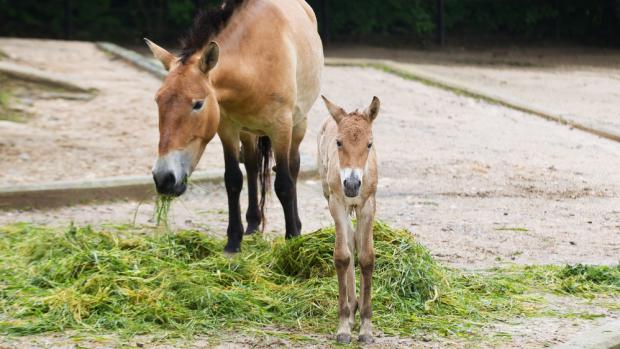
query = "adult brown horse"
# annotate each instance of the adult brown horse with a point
(249, 70)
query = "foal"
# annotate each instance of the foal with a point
(348, 168)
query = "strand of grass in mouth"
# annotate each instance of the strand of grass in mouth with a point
(162, 210)
(180, 284)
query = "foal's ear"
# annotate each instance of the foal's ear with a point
(373, 110)
(335, 111)
(166, 58)
(209, 57)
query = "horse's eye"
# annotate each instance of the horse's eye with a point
(339, 144)
(197, 105)
(369, 145)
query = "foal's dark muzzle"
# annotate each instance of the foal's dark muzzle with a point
(352, 186)
(167, 184)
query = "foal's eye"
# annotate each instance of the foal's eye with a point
(339, 144)
(369, 145)
(197, 105)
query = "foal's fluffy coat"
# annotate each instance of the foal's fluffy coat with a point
(348, 168)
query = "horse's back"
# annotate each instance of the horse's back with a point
(301, 21)
(278, 56)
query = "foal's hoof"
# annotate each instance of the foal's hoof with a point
(343, 338)
(366, 339)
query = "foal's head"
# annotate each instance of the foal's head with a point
(354, 142)
(188, 116)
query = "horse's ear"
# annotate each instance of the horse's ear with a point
(209, 57)
(335, 111)
(166, 58)
(373, 110)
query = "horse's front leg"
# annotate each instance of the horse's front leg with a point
(233, 177)
(366, 254)
(342, 261)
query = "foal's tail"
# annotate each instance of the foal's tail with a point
(263, 148)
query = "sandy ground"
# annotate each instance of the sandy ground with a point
(581, 85)
(478, 184)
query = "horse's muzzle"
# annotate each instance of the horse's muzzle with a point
(167, 183)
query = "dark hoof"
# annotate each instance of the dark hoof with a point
(366, 339)
(291, 235)
(252, 229)
(343, 338)
(230, 250)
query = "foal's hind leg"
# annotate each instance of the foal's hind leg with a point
(250, 156)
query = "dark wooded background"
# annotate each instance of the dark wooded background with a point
(385, 22)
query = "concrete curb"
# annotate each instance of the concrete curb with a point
(134, 58)
(39, 76)
(63, 193)
(409, 72)
(602, 337)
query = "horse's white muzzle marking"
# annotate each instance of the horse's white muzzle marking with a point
(171, 171)
(351, 181)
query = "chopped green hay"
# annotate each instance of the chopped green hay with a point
(162, 209)
(121, 280)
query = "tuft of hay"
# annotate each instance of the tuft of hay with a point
(121, 280)
(162, 209)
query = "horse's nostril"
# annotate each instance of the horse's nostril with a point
(164, 182)
(352, 182)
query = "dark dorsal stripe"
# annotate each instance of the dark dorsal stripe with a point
(207, 24)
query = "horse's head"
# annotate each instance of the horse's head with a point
(188, 116)
(354, 142)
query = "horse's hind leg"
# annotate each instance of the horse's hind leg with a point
(233, 177)
(284, 184)
(250, 156)
(294, 158)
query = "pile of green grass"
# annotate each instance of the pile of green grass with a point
(134, 281)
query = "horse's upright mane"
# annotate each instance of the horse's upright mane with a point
(207, 24)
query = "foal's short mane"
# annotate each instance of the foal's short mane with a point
(207, 24)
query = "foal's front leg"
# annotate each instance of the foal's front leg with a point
(342, 261)
(366, 254)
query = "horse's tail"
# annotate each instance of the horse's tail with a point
(263, 148)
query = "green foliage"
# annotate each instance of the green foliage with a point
(408, 20)
(131, 281)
